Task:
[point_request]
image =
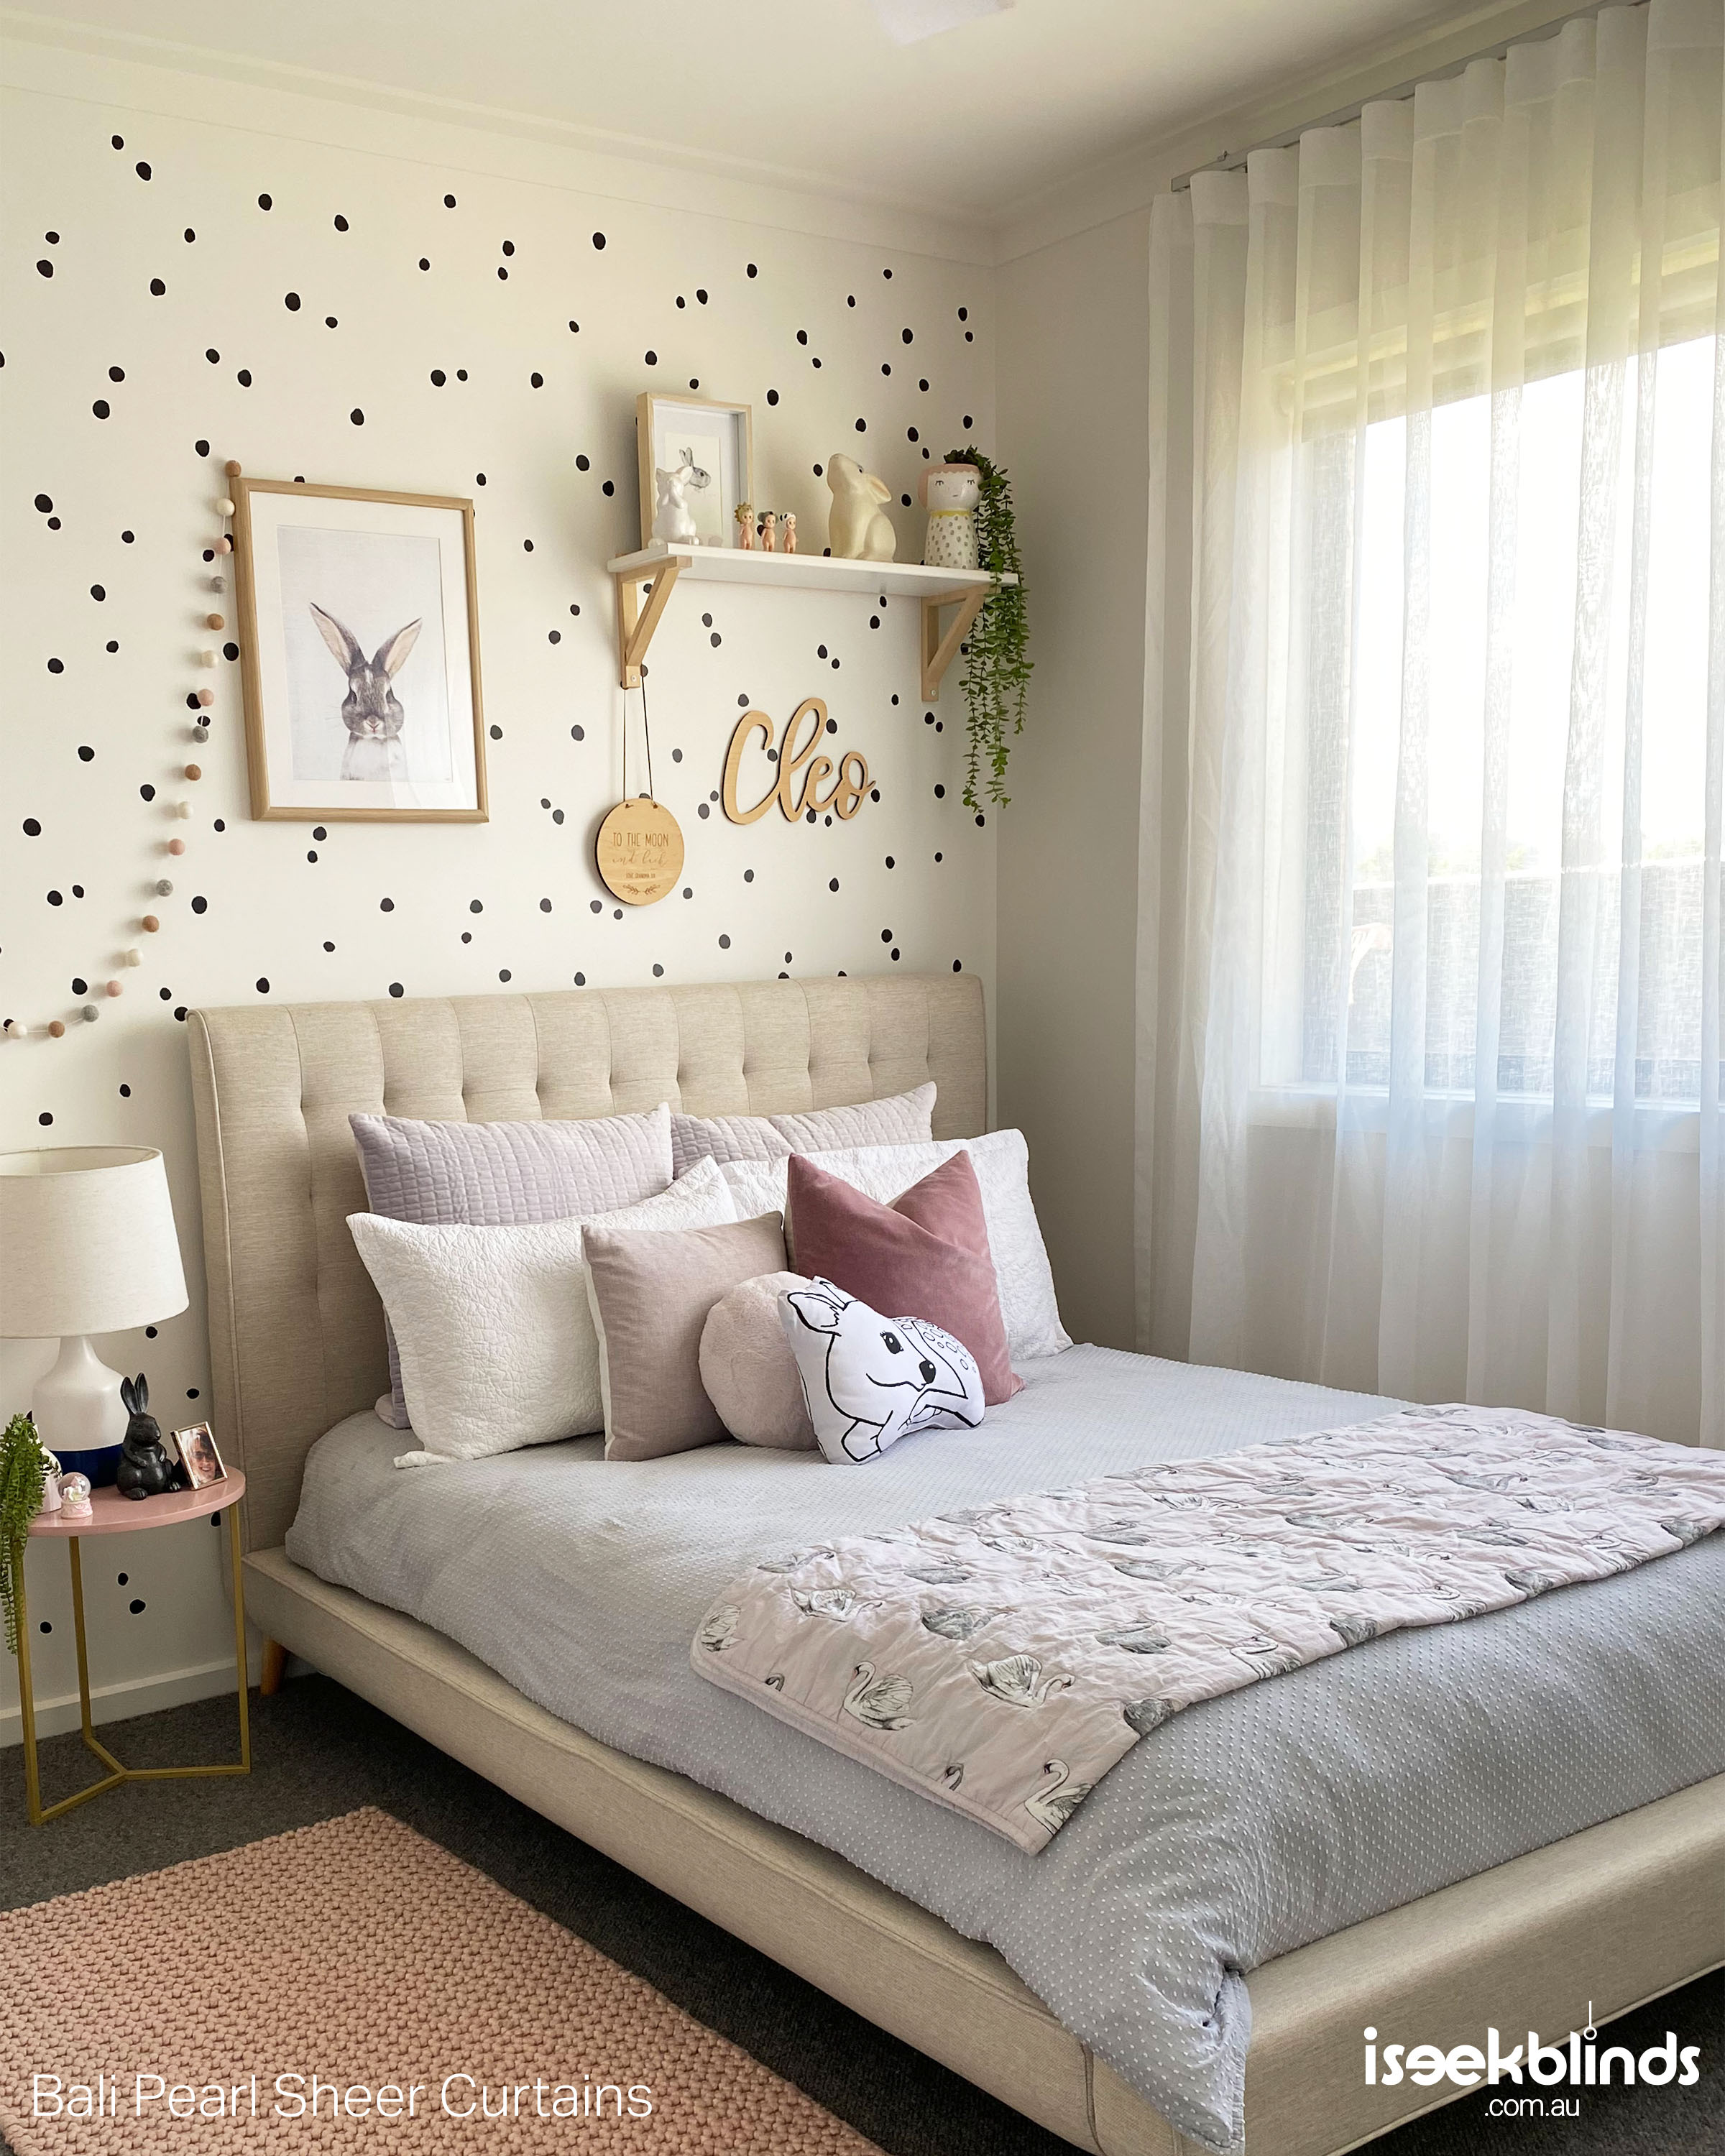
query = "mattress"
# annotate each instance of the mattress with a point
(1245, 1827)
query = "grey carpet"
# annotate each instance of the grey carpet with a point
(318, 1751)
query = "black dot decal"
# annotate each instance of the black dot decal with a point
(773, 396)
(652, 358)
(137, 1608)
(319, 832)
(940, 792)
(536, 382)
(504, 974)
(748, 875)
(290, 300)
(44, 502)
(101, 408)
(263, 986)
(659, 972)
(200, 905)
(753, 272)
(86, 755)
(116, 374)
(923, 384)
(581, 980)
(397, 989)
(578, 733)
(45, 1118)
(32, 829)
(609, 487)
(833, 883)
(126, 1095)
(44, 268)
(157, 288)
(386, 905)
(424, 262)
(598, 241)
(265, 202)
(340, 225)
(449, 202)
(702, 810)
(357, 417)
(244, 378)
(56, 665)
(214, 356)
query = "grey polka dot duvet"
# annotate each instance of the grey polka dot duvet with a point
(1248, 1826)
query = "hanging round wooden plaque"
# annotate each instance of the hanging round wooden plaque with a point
(640, 851)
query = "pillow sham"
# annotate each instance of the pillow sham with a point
(650, 1294)
(1002, 1162)
(868, 1380)
(748, 1369)
(495, 1338)
(901, 1119)
(926, 1252)
(497, 1175)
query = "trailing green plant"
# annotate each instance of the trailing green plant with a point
(997, 664)
(23, 1466)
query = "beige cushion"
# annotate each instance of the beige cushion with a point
(748, 1369)
(650, 1294)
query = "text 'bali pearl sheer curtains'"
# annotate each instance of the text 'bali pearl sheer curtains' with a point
(1429, 936)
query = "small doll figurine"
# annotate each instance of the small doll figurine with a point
(790, 531)
(745, 524)
(145, 1469)
(769, 531)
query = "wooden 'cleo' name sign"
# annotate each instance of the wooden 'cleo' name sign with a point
(802, 773)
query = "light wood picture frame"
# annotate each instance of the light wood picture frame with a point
(727, 430)
(359, 654)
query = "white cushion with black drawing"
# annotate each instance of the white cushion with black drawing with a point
(868, 1380)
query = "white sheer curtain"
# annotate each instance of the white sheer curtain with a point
(1430, 923)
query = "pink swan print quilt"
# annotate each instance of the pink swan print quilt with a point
(1001, 1660)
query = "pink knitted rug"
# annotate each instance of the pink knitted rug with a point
(203, 2009)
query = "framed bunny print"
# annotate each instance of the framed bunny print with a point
(359, 654)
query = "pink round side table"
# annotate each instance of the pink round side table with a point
(112, 1514)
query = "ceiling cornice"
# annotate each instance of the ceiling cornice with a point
(156, 74)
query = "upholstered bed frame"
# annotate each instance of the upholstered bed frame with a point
(297, 1343)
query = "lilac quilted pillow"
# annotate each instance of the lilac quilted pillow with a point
(899, 1119)
(505, 1175)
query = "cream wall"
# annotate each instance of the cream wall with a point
(1073, 323)
(885, 302)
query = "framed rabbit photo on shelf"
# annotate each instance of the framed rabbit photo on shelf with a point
(359, 654)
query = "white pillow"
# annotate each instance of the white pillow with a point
(1001, 1162)
(495, 1334)
(870, 1380)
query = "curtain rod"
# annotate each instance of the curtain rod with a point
(1233, 160)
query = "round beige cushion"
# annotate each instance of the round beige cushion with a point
(748, 1369)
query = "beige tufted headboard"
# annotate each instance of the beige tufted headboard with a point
(296, 1332)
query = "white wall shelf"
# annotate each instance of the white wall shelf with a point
(660, 568)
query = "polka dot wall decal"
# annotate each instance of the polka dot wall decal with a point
(659, 972)
(157, 288)
(833, 883)
(44, 268)
(923, 384)
(189, 236)
(397, 989)
(101, 408)
(265, 203)
(596, 905)
(753, 271)
(578, 733)
(86, 755)
(386, 905)
(748, 875)
(651, 358)
(319, 832)
(940, 792)
(32, 829)
(509, 247)
(581, 980)
(449, 202)
(56, 665)
(536, 382)
(126, 1095)
(424, 262)
(290, 300)
(44, 502)
(341, 223)
(724, 942)
(598, 241)
(357, 417)
(608, 488)
(263, 985)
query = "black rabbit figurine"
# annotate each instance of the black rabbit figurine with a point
(145, 1469)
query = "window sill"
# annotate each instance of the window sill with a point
(1659, 1126)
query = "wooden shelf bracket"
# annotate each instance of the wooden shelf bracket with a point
(635, 622)
(938, 651)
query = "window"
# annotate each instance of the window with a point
(1453, 690)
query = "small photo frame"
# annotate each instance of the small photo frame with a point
(359, 654)
(200, 1462)
(718, 440)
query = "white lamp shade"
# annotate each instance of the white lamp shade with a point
(87, 1242)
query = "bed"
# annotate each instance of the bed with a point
(1631, 1900)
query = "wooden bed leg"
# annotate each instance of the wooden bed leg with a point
(274, 1662)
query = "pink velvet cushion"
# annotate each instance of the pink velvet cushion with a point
(927, 1254)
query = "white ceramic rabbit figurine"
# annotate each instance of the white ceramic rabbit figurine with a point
(673, 519)
(858, 528)
(370, 711)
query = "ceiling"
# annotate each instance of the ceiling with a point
(974, 120)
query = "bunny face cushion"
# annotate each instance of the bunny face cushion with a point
(868, 1380)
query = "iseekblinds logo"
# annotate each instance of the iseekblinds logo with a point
(1577, 2064)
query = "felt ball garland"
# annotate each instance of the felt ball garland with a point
(181, 810)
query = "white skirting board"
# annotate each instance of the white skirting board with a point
(119, 1702)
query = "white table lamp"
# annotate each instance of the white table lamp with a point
(87, 1244)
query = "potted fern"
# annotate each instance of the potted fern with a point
(997, 666)
(24, 1469)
